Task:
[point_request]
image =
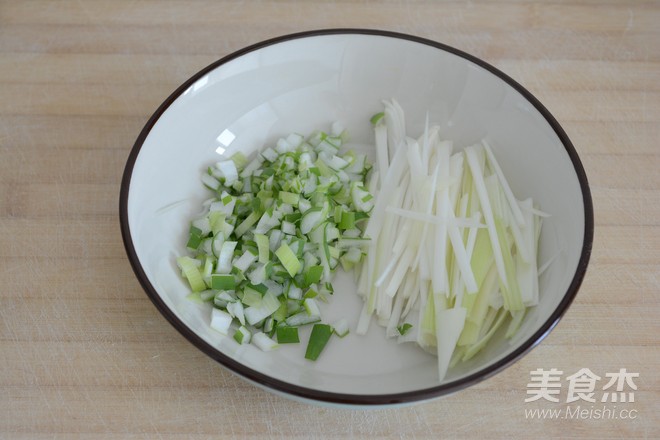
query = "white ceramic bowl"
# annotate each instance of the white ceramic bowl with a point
(302, 82)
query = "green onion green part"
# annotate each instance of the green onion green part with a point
(317, 341)
(287, 335)
(403, 329)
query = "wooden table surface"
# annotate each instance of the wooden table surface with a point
(84, 353)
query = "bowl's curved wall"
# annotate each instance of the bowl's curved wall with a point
(305, 82)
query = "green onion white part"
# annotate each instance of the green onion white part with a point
(264, 342)
(451, 253)
(341, 327)
(220, 321)
(264, 250)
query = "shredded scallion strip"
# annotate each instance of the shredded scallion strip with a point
(452, 252)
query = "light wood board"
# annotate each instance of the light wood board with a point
(83, 352)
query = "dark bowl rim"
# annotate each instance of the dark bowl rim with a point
(346, 398)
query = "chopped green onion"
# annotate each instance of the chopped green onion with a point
(242, 335)
(266, 247)
(192, 274)
(206, 295)
(341, 327)
(311, 219)
(290, 198)
(249, 221)
(348, 220)
(287, 335)
(317, 341)
(223, 282)
(313, 275)
(266, 307)
(220, 320)
(229, 171)
(262, 245)
(311, 307)
(288, 259)
(302, 318)
(262, 341)
(251, 297)
(194, 239)
(235, 309)
(225, 257)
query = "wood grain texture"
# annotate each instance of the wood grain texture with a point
(84, 354)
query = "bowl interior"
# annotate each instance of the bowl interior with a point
(303, 84)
